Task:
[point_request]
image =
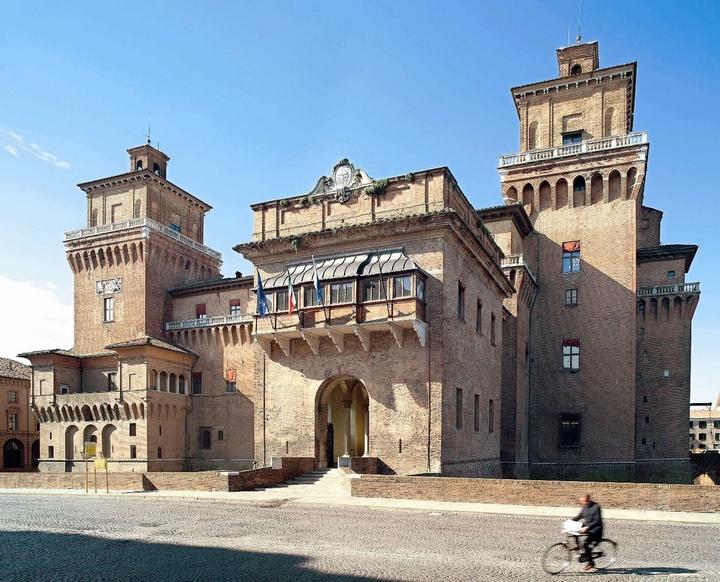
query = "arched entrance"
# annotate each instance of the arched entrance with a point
(107, 440)
(35, 454)
(13, 455)
(342, 420)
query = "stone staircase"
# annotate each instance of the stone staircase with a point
(319, 483)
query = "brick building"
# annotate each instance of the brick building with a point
(406, 330)
(19, 437)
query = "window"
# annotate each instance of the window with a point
(576, 70)
(645, 399)
(133, 429)
(716, 424)
(133, 451)
(221, 435)
(571, 354)
(230, 387)
(64, 389)
(197, 383)
(51, 452)
(181, 384)
(666, 373)
(671, 274)
(702, 447)
(281, 300)
(458, 408)
(372, 290)
(200, 311)
(492, 329)
(138, 165)
(491, 416)
(108, 309)
(702, 436)
(160, 430)
(717, 436)
(571, 256)
(175, 227)
(402, 286)
(569, 430)
(572, 138)
(235, 308)
(12, 421)
(159, 455)
(692, 424)
(420, 288)
(647, 420)
(309, 297)
(571, 296)
(341, 292)
(461, 301)
(137, 207)
(476, 413)
(112, 381)
(205, 437)
(702, 424)
(644, 441)
(478, 317)
(12, 396)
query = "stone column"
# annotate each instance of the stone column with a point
(367, 432)
(348, 405)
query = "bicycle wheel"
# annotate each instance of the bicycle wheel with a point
(556, 558)
(604, 554)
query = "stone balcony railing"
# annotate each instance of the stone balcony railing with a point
(338, 321)
(592, 145)
(670, 289)
(207, 322)
(147, 223)
(516, 261)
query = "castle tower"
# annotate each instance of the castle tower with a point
(580, 176)
(144, 236)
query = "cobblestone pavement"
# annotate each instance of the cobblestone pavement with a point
(90, 538)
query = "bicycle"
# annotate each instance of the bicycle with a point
(560, 555)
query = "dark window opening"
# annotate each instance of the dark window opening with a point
(476, 413)
(569, 430)
(205, 438)
(572, 138)
(197, 383)
(461, 301)
(458, 407)
(133, 429)
(576, 70)
(200, 310)
(491, 416)
(571, 296)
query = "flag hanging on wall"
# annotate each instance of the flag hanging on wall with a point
(292, 304)
(262, 306)
(316, 284)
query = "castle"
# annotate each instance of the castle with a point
(406, 330)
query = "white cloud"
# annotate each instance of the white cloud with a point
(34, 149)
(34, 317)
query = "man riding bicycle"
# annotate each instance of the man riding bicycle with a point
(591, 519)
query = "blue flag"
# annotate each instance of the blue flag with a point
(316, 284)
(262, 306)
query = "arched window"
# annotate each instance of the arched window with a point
(545, 196)
(561, 193)
(94, 218)
(631, 178)
(173, 383)
(666, 308)
(596, 189)
(527, 198)
(614, 186)
(641, 309)
(511, 194)
(163, 382)
(181, 384)
(579, 191)
(153, 380)
(205, 438)
(137, 208)
(532, 135)
(608, 121)
(576, 70)
(138, 165)
(654, 308)
(156, 168)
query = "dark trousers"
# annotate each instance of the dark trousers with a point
(590, 542)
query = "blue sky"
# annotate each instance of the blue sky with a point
(256, 100)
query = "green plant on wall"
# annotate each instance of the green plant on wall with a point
(377, 188)
(295, 243)
(284, 203)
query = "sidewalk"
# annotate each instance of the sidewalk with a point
(268, 497)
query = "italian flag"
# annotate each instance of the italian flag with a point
(292, 306)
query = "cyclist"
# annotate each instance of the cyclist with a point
(591, 518)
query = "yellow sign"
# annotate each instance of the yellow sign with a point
(100, 463)
(90, 449)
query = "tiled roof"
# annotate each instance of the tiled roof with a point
(12, 369)
(201, 286)
(150, 341)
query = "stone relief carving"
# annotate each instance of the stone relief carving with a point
(108, 286)
(344, 181)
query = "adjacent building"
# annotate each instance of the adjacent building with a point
(390, 325)
(705, 427)
(19, 434)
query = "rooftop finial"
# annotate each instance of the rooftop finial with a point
(148, 131)
(579, 35)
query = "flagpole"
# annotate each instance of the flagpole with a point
(318, 289)
(262, 310)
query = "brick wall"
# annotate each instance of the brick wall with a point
(547, 493)
(117, 481)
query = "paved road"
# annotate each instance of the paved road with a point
(76, 538)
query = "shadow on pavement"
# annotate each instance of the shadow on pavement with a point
(36, 555)
(659, 571)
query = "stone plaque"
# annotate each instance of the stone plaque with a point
(108, 287)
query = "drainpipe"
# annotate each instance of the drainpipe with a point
(531, 351)
(189, 400)
(429, 395)
(263, 409)
(119, 375)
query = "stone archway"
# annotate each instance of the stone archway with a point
(342, 420)
(13, 454)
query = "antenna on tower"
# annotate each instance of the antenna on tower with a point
(148, 131)
(579, 35)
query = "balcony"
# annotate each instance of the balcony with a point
(146, 223)
(207, 322)
(515, 262)
(311, 324)
(589, 146)
(669, 289)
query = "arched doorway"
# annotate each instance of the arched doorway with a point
(107, 440)
(35, 453)
(342, 420)
(13, 455)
